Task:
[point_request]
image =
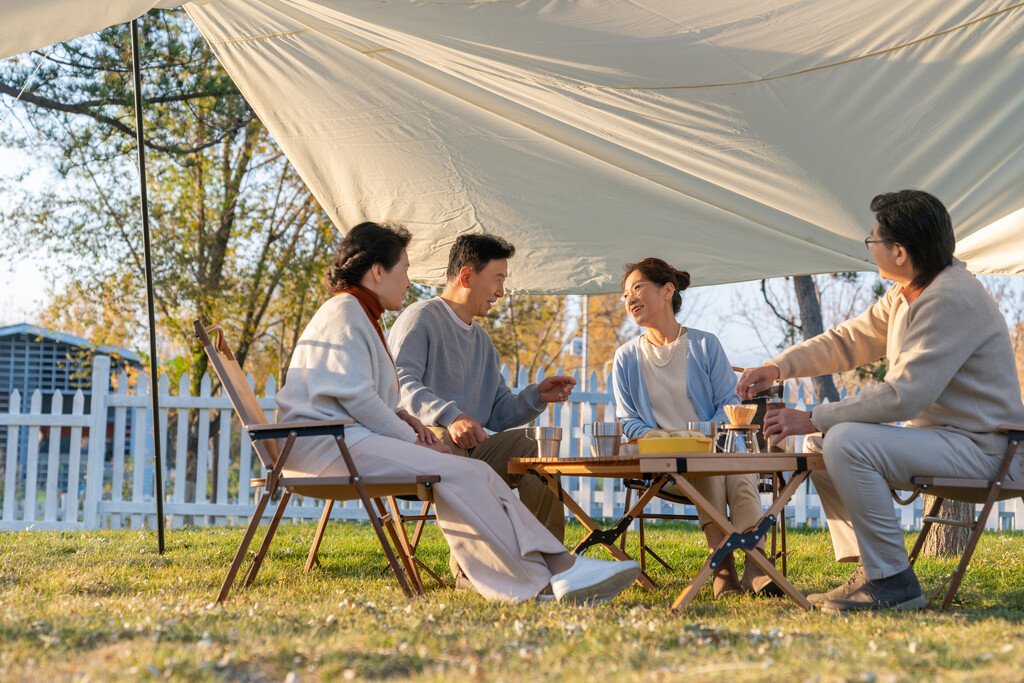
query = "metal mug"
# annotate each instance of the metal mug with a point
(706, 428)
(548, 440)
(607, 438)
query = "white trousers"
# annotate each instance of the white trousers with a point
(495, 539)
(863, 462)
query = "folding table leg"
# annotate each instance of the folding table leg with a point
(748, 541)
(591, 526)
(683, 600)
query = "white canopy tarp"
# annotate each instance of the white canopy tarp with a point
(738, 140)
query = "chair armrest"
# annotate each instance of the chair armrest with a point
(279, 430)
(1015, 432)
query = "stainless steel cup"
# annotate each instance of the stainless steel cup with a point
(548, 440)
(606, 436)
(706, 428)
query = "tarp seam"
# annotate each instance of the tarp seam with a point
(586, 86)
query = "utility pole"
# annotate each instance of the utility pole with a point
(586, 341)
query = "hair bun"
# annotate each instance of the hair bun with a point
(682, 280)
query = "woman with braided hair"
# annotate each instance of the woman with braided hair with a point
(341, 368)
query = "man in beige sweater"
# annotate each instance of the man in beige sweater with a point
(951, 377)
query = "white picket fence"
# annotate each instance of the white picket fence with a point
(114, 486)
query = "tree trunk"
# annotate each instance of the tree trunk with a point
(946, 540)
(811, 325)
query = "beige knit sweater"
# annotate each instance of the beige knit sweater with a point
(952, 368)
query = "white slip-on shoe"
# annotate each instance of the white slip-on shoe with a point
(593, 581)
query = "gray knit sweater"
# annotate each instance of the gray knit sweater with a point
(952, 368)
(445, 370)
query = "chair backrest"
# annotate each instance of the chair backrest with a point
(237, 388)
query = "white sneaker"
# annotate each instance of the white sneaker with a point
(593, 581)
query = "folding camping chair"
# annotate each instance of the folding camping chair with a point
(970, 491)
(400, 519)
(264, 438)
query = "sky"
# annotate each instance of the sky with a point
(22, 284)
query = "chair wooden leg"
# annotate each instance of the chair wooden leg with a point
(243, 547)
(257, 561)
(622, 538)
(642, 535)
(375, 522)
(420, 524)
(312, 559)
(415, 543)
(972, 542)
(385, 544)
(656, 556)
(926, 527)
(407, 552)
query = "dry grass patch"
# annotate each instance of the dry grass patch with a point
(106, 606)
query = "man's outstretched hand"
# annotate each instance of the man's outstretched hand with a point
(556, 388)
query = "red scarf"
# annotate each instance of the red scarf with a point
(372, 307)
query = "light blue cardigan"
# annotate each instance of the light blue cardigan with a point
(710, 383)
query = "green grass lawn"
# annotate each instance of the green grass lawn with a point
(106, 606)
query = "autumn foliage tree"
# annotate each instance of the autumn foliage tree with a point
(237, 237)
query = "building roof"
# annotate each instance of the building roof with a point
(65, 338)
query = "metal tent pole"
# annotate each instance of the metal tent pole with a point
(140, 143)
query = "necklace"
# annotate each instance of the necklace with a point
(653, 352)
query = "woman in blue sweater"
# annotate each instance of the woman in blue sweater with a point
(671, 375)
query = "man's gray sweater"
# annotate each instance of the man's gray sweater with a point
(446, 370)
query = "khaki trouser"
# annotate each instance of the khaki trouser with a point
(734, 495)
(535, 495)
(863, 462)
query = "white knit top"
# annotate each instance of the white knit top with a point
(666, 386)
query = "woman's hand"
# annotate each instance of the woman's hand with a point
(755, 380)
(423, 434)
(437, 445)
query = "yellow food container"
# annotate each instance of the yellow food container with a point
(688, 444)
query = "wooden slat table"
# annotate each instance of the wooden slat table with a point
(663, 468)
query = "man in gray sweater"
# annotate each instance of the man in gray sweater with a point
(450, 373)
(951, 376)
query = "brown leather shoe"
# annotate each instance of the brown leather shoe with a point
(899, 591)
(855, 581)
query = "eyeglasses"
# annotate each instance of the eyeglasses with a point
(868, 242)
(634, 290)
